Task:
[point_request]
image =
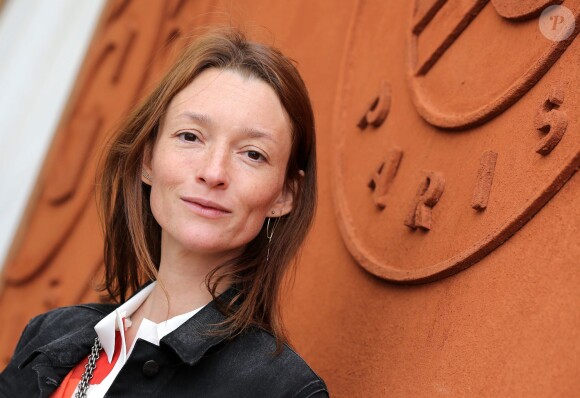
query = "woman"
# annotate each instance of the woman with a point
(207, 192)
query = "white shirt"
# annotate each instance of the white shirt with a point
(149, 331)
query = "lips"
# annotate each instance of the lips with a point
(207, 204)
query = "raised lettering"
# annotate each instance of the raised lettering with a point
(484, 180)
(383, 178)
(551, 121)
(378, 110)
(428, 194)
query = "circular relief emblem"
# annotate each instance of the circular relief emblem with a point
(454, 125)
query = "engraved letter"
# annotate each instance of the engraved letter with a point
(382, 179)
(378, 110)
(551, 121)
(484, 180)
(430, 190)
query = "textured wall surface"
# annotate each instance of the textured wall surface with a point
(443, 259)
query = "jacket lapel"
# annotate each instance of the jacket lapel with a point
(198, 334)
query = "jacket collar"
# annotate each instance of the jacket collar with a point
(190, 341)
(197, 335)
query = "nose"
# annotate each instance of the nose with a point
(213, 170)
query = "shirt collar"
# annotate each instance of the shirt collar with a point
(106, 327)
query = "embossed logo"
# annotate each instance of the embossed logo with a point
(445, 154)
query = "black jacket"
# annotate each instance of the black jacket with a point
(187, 363)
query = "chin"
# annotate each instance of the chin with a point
(210, 241)
(203, 245)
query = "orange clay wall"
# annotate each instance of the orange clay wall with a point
(444, 259)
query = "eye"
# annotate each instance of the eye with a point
(188, 136)
(255, 155)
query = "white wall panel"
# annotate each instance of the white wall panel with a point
(42, 46)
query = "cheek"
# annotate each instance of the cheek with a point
(156, 203)
(257, 201)
(261, 196)
(162, 189)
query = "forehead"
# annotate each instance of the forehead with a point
(231, 98)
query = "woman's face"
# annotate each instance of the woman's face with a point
(218, 165)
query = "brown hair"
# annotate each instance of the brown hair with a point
(133, 237)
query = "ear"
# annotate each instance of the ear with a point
(146, 171)
(284, 203)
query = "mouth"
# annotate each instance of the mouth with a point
(205, 207)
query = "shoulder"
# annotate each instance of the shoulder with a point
(51, 340)
(284, 371)
(65, 317)
(46, 327)
(92, 310)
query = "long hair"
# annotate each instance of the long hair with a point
(132, 249)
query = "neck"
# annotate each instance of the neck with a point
(181, 286)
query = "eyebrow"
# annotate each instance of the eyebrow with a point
(252, 133)
(248, 131)
(198, 117)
